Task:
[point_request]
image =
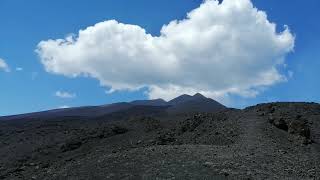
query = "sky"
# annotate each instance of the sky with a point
(57, 54)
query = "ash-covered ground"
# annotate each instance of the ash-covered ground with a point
(267, 141)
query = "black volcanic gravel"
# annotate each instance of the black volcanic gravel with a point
(267, 141)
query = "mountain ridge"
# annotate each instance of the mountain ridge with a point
(179, 105)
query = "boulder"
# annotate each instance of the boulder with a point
(71, 145)
(299, 127)
(281, 124)
(119, 130)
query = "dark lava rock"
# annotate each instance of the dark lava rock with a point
(71, 145)
(280, 123)
(292, 126)
(191, 123)
(149, 123)
(166, 138)
(119, 130)
(299, 128)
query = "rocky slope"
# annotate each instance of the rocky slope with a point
(267, 141)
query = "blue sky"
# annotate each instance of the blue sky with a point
(23, 24)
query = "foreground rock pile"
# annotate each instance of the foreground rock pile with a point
(295, 121)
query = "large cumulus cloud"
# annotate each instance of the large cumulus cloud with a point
(218, 49)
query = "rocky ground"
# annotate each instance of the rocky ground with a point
(267, 141)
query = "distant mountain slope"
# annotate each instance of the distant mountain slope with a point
(87, 112)
(154, 102)
(180, 105)
(181, 99)
(134, 112)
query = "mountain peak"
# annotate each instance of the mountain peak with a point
(180, 99)
(185, 97)
(195, 103)
(198, 95)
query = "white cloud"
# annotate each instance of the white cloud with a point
(218, 49)
(63, 107)
(110, 91)
(4, 66)
(19, 69)
(65, 95)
